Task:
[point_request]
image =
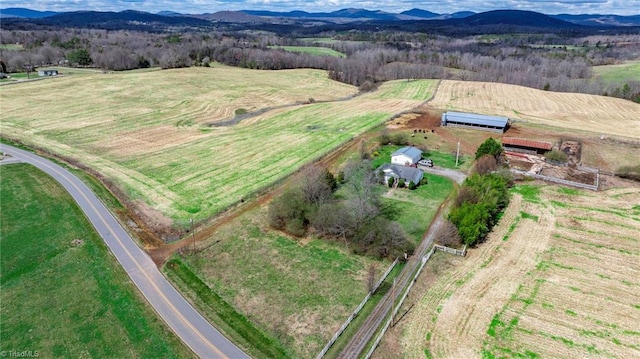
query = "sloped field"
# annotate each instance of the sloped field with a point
(599, 114)
(148, 132)
(558, 278)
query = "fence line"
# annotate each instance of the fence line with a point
(457, 252)
(561, 181)
(397, 308)
(356, 311)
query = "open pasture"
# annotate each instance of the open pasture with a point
(618, 74)
(297, 291)
(311, 50)
(62, 293)
(557, 278)
(598, 114)
(149, 132)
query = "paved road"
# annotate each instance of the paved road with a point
(182, 318)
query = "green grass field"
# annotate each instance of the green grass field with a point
(150, 134)
(618, 74)
(311, 50)
(14, 47)
(66, 299)
(296, 292)
(415, 209)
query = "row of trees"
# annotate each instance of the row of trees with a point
(522, 60)
(482, 197)
(357, 216)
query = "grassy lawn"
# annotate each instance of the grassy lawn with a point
(64, 298)
(618, 74)
(296, 293)
(160, 149)
(311, 50)
(415, 209)
(440, 159)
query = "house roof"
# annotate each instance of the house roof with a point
(406, 173)
(476, 119)
(409, 151)
(522, 142)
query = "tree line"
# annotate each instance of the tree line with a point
(481, 198)
(543, 61)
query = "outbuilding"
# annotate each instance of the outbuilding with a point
(406, 156)
(522, 145)
(475, 121)
(408, 174)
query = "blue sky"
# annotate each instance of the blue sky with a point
(619, 7)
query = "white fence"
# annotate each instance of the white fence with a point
(397, 308)
(458, 252)
(355, 312)
(593, 187)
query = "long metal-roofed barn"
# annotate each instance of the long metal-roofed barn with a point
(475, 121)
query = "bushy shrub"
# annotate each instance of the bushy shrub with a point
(391, 181)
(401, 183)
(412, 185)
(556, 155)
(485, 164)
(489, 147)
(399, 139)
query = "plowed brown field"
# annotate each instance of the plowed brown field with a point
(557, 278)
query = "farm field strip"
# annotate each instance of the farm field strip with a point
(575, 295)
(167, 159)
(312, 50)
(566, 110)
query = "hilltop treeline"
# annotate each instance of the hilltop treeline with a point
(543, 61)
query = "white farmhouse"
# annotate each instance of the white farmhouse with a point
(406, 156)
(408, 174)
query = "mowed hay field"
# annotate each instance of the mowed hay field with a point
(559, 277)
(598, 114)
(148, 131)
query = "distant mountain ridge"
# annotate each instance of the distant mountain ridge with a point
(127, 18)
(25, 13)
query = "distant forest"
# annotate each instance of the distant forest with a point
(549, 61)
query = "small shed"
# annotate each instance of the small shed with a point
(475, 121)
(408, 174)
(522, 145)
(406, 156)
(47, 72)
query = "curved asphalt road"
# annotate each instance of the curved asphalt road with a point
(182, 318)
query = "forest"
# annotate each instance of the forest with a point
(549, 61)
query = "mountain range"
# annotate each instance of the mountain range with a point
(308, 23)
